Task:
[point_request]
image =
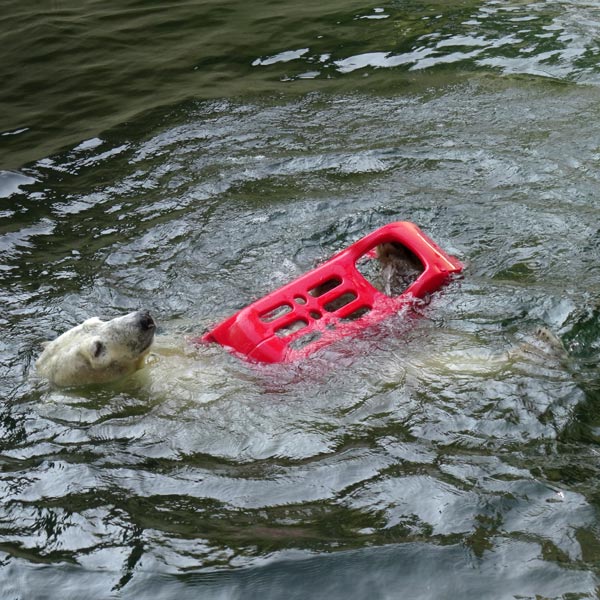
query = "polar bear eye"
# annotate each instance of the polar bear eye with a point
(98, 349)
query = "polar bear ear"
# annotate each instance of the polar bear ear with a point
(92, 321)
(98, 348)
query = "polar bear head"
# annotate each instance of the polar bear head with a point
(98, 351)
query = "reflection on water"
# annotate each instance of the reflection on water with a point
(82, 68)
(429, 431)
(447, 449)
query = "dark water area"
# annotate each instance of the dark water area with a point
(190, 157)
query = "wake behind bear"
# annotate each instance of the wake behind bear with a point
(97, 351)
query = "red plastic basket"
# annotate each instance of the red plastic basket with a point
(296, 320)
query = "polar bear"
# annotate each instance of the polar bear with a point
(98, 351)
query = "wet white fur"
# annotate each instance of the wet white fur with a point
(96, 352)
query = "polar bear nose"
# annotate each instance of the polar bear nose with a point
(146, 321)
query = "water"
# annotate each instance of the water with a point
(189, 158)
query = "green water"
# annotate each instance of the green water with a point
(189, 157)
(72, 70)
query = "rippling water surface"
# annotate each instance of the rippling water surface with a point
(190, 157)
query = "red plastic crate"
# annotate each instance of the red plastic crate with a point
(293, 322)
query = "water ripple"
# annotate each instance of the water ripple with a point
(448, 436)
